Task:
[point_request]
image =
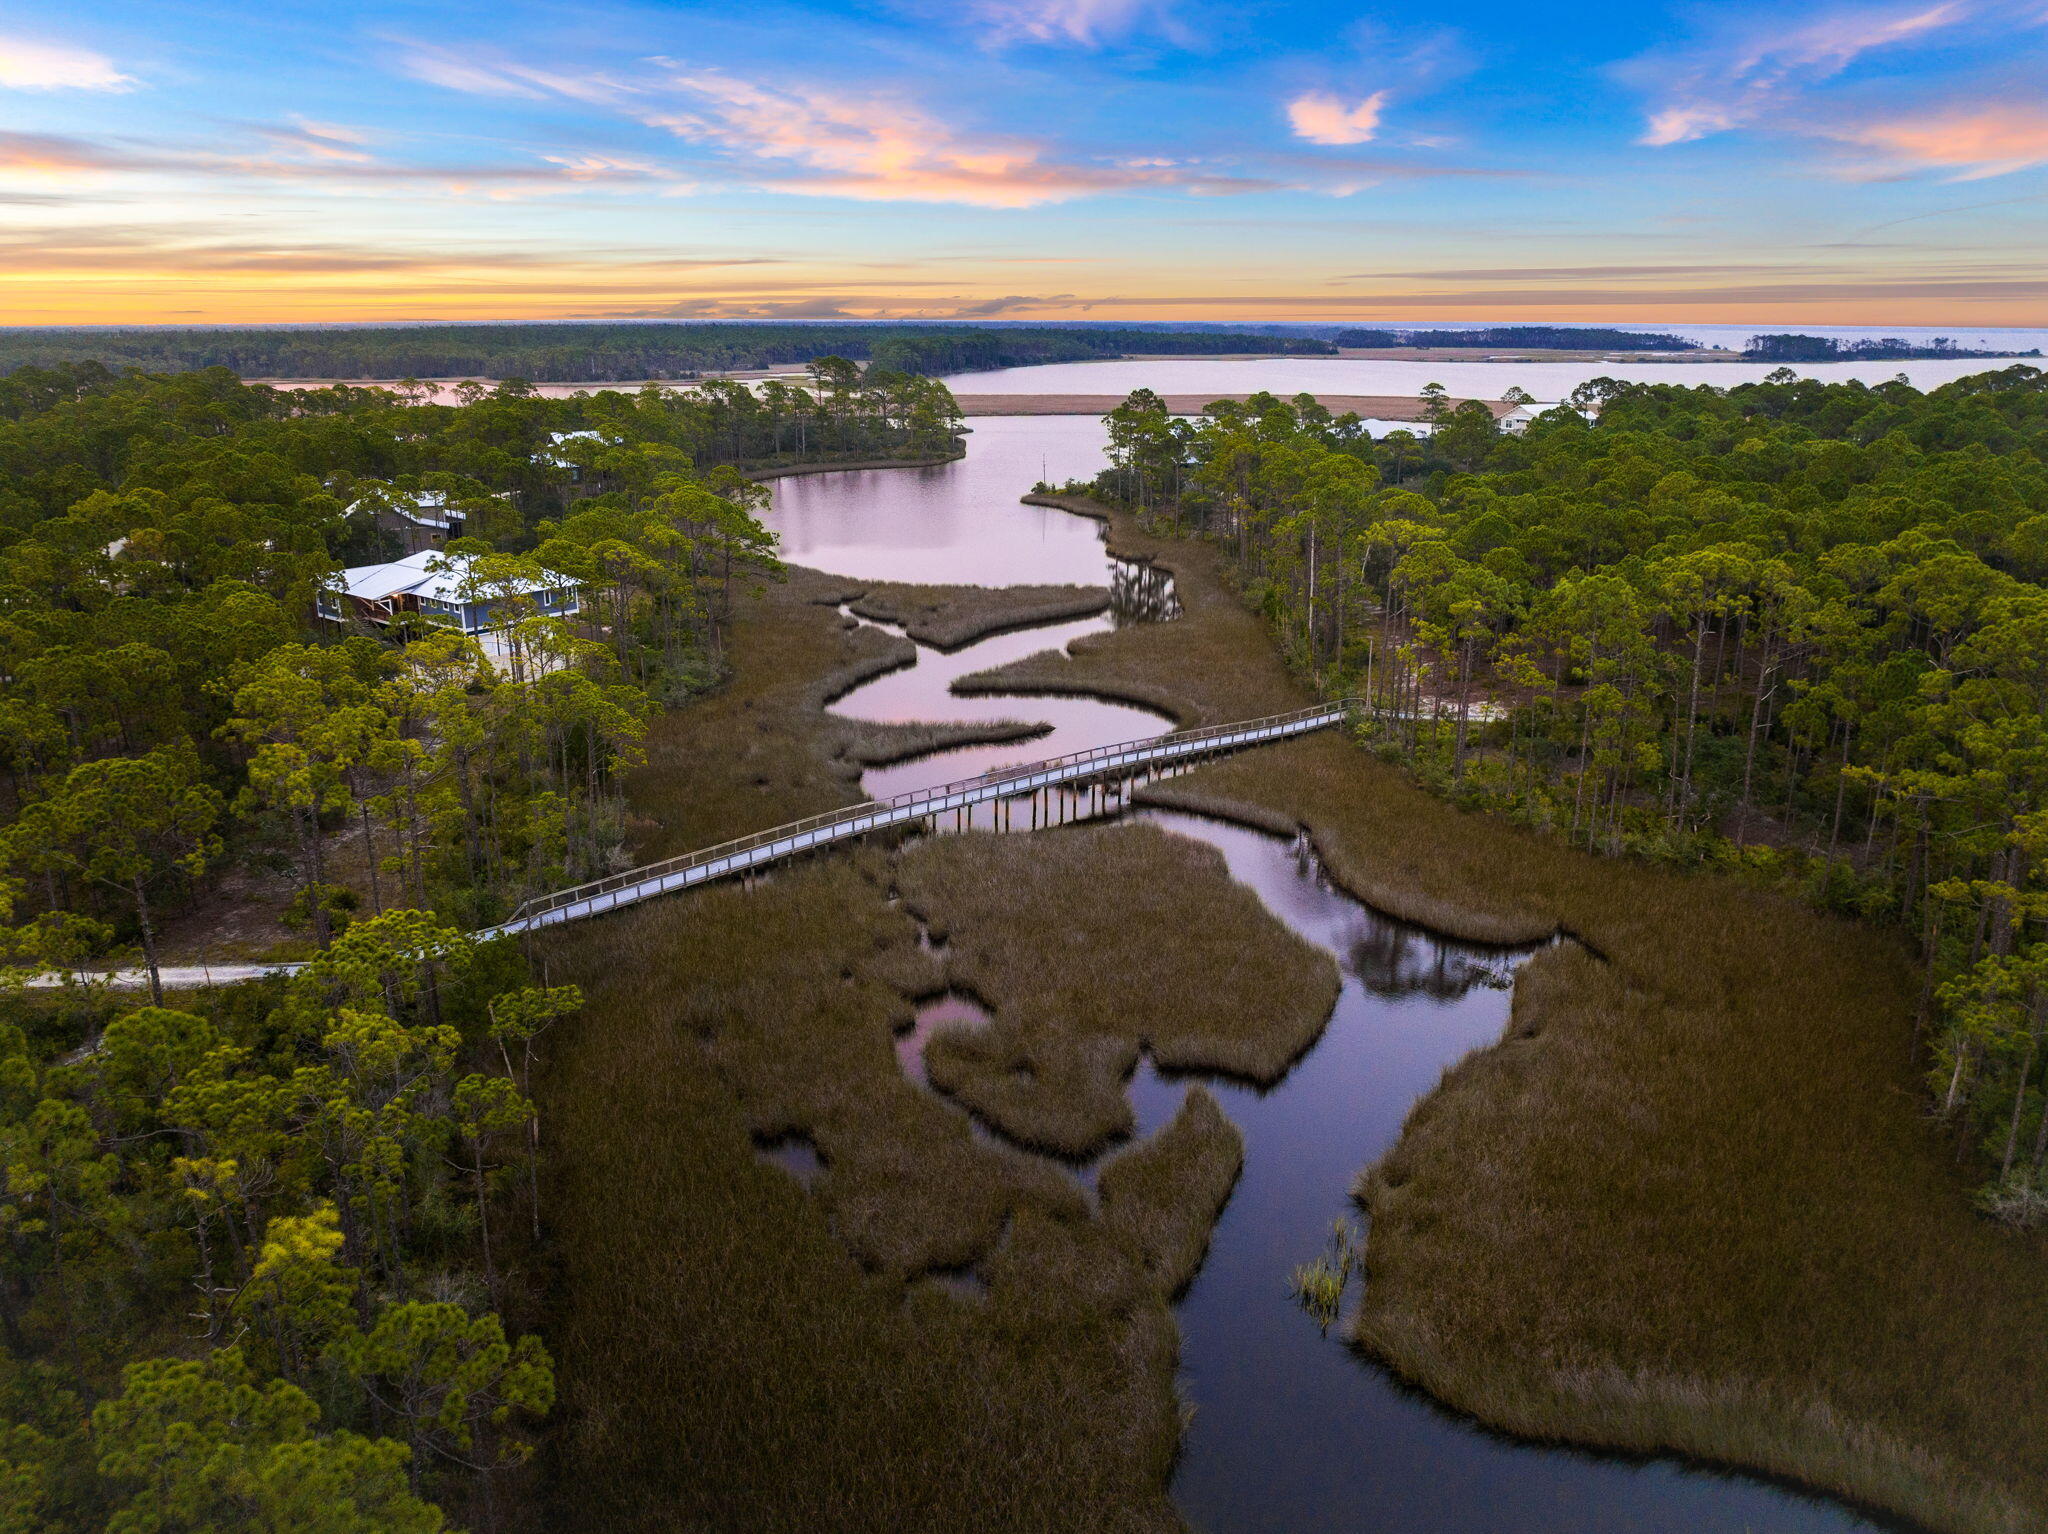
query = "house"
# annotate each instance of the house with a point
(581, 481)
(384, 593)
(1517, 420)
(420, 519)
(557, 461)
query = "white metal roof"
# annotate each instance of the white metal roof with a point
(429, 507)
(410, 576)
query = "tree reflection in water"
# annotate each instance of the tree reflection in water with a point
(1140, 593)
(1392, 960)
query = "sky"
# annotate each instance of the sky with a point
(171, 162)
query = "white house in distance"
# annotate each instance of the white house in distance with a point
(383, 593)
(557, 461)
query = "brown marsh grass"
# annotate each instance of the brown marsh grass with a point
(1690, 1202)
(947, 617)
(736, 1353)
(1162, 1198)
(762, 750)
(1021, 912)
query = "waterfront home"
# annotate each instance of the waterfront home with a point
(438, 588)
(421, 520)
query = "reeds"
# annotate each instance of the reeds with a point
(1162, 1197)
(762, 750)
(1318, 1285)
(739, 1353)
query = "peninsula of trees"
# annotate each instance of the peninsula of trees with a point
(1798, 348)
(606, 353)
(1596, 338)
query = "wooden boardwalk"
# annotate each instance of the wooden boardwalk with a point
(748, 853)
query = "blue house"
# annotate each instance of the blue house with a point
(382, 593)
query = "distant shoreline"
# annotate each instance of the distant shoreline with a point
(1531, 354)
(1371, 407)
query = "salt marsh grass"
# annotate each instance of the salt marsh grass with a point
(948, 617)
(1049, 1070)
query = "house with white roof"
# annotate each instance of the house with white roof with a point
(382, 594)
(558, 461)
(420, 519)
(581, 481)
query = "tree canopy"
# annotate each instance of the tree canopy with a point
(1794, 629)
(266, 1251)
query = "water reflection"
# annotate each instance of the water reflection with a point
(954, 1010)
(1295, 1432)
(959, 524)
(1141, 593)
(794, 1154)
(1392, 961)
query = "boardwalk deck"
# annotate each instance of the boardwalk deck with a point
(748, 853)
(765, 847)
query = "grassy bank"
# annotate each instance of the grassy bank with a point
(848, 465)
(942, 618)
(1689, 1203)
(1050, 1070)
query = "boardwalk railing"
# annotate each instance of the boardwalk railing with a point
(799, 836)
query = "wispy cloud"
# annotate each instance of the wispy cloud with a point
(477, 73)
(1532, 273)
(1749, 77)
(1323, 118)
(321, 141)
(1087, 23)
(296, 152)
(803, 138)
(1993, 139)
(883, 149)
(189, 248)
(26, 65)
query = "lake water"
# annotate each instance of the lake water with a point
(1547, 381)
(1293, 1432)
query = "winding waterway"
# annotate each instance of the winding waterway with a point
(1292, 1431)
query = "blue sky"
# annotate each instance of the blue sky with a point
(1108, 159)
